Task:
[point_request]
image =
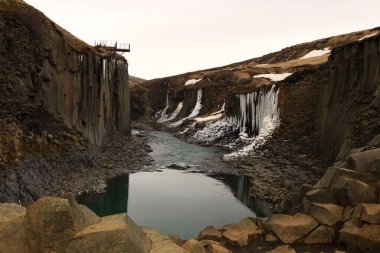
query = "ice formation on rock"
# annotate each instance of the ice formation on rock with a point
(161, 115)
(194, 113)
(259, 116)
(254, 108)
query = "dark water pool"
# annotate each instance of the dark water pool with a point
(185, 189)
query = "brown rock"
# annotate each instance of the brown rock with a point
(270, 237)
(347, 213)
(234, 235)
(210, 233)
(249, 227)
(291, 228)
(333, 174)
(51, 223)
(363, 236)
(322, 234)
(193, 246)
(176, 239)
(115, 233)
(362, 161)
(90, 218)
(160, 243)
(327, 214)
(13, 236)
(214, 247)
(9, 211)
(283, 249)
(368, 212)
(358, 191)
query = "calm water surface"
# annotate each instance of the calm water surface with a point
(186, 188)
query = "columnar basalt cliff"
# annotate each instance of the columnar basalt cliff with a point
(48, 67)
(349, 112)
(60, 100)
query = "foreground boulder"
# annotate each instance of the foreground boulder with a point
(240, 234)
(282, 249)
(368, 212)
(115, 233)
(193, 246)
(9, 211)
(322, 234)
(289, 229)
(210, 233)
(52, 222)
(365, 237)
(327, 214)
(60, 225)
(160, 243)
(358, 191)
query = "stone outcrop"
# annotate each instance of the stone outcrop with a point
(289, 229)
(363, 236)
(282, 249)
(210, 233)
(326, 214)
(61, 225)
(322, 234)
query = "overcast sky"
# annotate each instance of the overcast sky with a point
(175, 36)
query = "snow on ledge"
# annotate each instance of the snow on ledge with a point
(368, 36)
(192, 81)
(209, 118)
(316, 53)
(274, 77)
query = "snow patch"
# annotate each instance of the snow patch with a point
(274, 77)
(209, 118)
(213, 116)
(194, 113)
(215, 130)
(192, 81)
(173, 115)
(368, 36)
(316, 53)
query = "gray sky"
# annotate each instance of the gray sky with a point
(175, 36)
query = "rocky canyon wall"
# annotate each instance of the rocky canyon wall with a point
(327, 92)
(349, 105)
(48, 68)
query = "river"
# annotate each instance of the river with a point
(186, 188)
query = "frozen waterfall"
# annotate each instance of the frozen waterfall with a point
(257, 109)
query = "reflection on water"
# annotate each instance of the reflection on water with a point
(114, 200)
(184, 190)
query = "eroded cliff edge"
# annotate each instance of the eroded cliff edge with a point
(60, 99)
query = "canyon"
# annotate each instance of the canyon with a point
(301, 126)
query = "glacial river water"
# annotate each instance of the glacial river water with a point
(186, 188)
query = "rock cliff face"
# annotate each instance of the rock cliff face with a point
(349, 111)
(59, 98)
(47, 67)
